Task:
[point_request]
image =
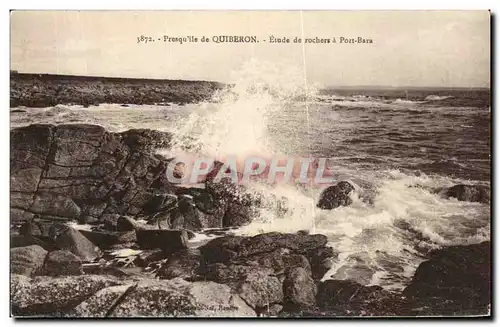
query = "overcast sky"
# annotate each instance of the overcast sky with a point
(422, 48)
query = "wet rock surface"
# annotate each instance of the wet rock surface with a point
(455, 281)
(335, 196)
(470, 193)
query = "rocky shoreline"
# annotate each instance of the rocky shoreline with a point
(98, 231)
(45, 90)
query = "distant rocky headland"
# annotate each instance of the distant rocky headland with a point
(45, 90)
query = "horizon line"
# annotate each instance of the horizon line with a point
(368, 86)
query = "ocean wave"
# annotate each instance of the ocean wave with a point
(433, 97)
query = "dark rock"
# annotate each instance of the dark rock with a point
(279, 260)
(233, 247)
(471, 193)
(192, 217)
(349, 298)
(183, 264)
(102, 238)
(169, 241)
(17, 241)
(124, 224)
(110, 221)
(62, 263)
(231, 201)
(199, 209)
(146, 140)
(110, 240)
(319, 258)
(30, 228)
(336, 196)
(259, 289)
(230, 273)
(49, 296)
(27, 260)
(299, 289)
(146, 257)
(334, 292)
(77, 169)
(455, 281)
(73, 241)
(256, 285)
(85, 219)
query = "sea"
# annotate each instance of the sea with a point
(396, 145)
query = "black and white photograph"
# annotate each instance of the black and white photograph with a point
(266, 164)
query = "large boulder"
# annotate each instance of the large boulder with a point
(62, 263)
(454, 281)
(27, 260)
(257, 285)
(320, 260)
(105, 239)
(169, 241)
(349, 298)
(17, 241)
(48, 296)
(82, 169)
(183, 264)
(72, 240)
(299, 289)
(470, 193)
(83, 172)
(166, 298)
(229, 248)
(280, 260)
(335, 196)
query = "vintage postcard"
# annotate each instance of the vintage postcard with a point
(250, 164)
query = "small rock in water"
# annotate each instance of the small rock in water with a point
(336, 196)
(471, 193)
